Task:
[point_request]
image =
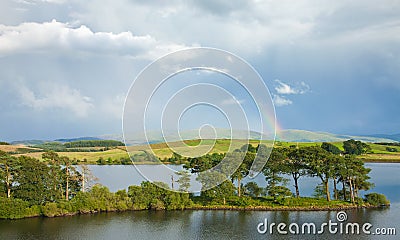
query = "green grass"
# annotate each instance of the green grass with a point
(91, 157)
(303, 203)
(200, 147)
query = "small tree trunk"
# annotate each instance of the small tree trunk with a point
(296, 186)
(67, 184)
(356, 193)
(224, 201)
(8, 191)
(335, 189)
(8, 182)
(344, 190)
(83, 181)
(239, 186)
(351, 191)
(328, 194)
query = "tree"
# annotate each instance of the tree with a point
(203, 163)
(71, 177)
(237, 165)
(34, 181)
(248, 148)
(220, 192)
(183, 181)
(56, 176)
(329, 147)
(295, 165)
(273, 171)
(338, 165)
(86, 178)
(354, 175)
(176, 158)
(253, 190)
(215, 185)
(355, 147)
(321, 164)
(8, 167)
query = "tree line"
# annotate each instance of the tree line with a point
(94, 143)
(79, 146)
(38, 182)
(325, 162)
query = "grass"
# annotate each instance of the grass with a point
(269, 203)
(380, 157)
(91, 157)
(195, 147)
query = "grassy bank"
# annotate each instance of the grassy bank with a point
(89, 203)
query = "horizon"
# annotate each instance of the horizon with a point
(114, 136)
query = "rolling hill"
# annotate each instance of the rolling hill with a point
(289, 135)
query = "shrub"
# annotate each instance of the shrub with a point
(12, 208)
(51, 210)
(376, 199)
(391, 149)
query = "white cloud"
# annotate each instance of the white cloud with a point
(281, 101)
(61, 37)
(58, 97)
(284, 88)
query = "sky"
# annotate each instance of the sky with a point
(66, 66)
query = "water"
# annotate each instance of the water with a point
(385, 176)
(204, 224)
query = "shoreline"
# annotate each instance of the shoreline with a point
(213, 208)
(168, 163)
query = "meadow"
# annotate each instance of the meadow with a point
(89, 155)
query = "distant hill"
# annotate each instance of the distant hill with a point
(394, 137)
(289, 135)
(157, 137)
(28, 142)
(61, 140)
(65, 140)
(293, 135)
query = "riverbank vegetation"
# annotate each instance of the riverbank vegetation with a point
(54, 186)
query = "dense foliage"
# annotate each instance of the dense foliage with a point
(355, 147)
(79, 146)
(94, 143)
(376, 199)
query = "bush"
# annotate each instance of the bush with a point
(391, 149)
(157, 204)
(12, 208)
(83, 203)
(51, 210)
(376, 199)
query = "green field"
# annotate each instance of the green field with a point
(378, 153)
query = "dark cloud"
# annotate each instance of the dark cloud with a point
(348, 52)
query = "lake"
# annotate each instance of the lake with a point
(206, 224)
